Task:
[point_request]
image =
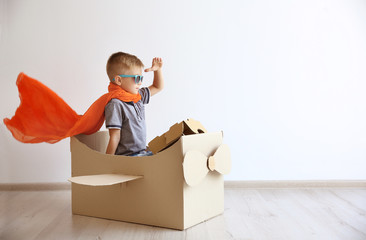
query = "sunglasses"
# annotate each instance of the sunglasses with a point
(138, 78)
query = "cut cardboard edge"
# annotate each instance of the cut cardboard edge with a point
(75, 140)
(186, 127)
(103, 179)
(194, 126)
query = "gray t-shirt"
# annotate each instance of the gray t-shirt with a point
(130, 118)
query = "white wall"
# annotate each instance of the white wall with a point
(284, 80)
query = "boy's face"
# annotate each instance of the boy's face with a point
(128, 83)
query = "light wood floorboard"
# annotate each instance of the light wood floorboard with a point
(260, 214)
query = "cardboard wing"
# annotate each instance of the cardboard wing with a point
(103, 179)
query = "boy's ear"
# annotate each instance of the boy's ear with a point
(117, 80)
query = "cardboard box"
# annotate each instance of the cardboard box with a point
(187, 127)
(173, 189)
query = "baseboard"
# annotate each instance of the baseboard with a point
(34, 186)
(297, 184)
(228, 185)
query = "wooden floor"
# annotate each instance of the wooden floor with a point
(249, 214)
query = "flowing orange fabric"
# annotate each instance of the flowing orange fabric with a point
(43, 116)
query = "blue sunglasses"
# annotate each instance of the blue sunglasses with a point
(138, 78)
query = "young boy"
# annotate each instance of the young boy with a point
(126, 120)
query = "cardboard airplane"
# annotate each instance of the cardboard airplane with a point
(178, 187)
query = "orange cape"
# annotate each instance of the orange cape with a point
(43, 116)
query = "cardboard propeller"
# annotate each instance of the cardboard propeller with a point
(196, 165)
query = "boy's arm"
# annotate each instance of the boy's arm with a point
(114, 137)
(158, 83)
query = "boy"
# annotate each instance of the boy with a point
(125, 120)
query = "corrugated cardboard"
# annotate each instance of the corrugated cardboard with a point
(148, 190)
(187, 127)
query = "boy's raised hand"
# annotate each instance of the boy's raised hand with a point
(158, 83)
(157, 64)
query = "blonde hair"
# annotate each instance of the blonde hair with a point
(119, 62)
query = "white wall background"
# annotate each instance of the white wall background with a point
(284, 80)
